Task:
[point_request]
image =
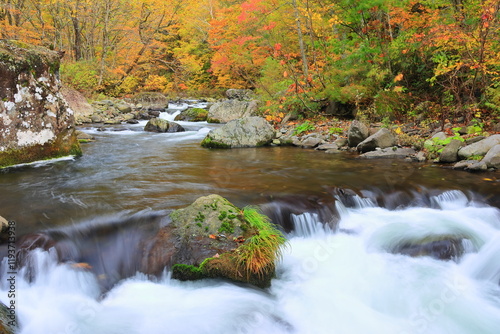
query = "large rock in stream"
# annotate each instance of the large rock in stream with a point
(162, 125)
(212, 238)
(226, 111)
(383, 138)
(245, 132)
(443, 248)
(35, 121)
(192, 115)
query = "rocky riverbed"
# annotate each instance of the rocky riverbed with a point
(458, 145)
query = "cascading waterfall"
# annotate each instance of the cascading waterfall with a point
(353, 279)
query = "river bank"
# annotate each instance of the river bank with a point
(419, 140)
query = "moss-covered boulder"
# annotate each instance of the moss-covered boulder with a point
(212, 238)
(193, 115)
(35, 120)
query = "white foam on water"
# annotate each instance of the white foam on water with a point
(326, 283)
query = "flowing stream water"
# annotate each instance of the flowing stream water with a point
(340, 273)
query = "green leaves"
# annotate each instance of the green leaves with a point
(304, 127)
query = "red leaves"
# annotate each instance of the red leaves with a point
(270, 26)
(239, 240)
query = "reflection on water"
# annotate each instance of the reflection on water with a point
(133, 170)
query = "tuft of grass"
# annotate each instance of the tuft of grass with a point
(260, 252)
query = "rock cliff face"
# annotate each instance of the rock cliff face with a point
(35, 121)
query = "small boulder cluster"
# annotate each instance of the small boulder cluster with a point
(143, 106)
(475, 155)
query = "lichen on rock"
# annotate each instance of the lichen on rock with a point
(35, 121)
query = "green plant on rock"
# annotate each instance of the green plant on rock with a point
(436, 145)
(476, 127)
(226, 227)
(200, 217)
(335, 131)
(209, 143)
(186, 272)
(261, 251)
(304, 127)
(223, 215)
(475, 157)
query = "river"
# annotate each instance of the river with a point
(334, 278)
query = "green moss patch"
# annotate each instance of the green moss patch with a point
(209, 143)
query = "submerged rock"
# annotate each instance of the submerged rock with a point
(212, 238)
(445, 248)
(390, 153)
(162, 125)
(471, 165)
(245, 132)
(35, 120)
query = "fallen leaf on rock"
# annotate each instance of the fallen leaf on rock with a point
(81, 265)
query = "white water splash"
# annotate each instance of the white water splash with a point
(327, 283)
(42, 163)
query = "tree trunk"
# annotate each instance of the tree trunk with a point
(77, 44)
(305, 68)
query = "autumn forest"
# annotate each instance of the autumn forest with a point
(385, 57)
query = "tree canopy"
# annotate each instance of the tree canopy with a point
(381, 56)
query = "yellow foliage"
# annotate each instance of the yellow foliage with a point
(155, 83)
